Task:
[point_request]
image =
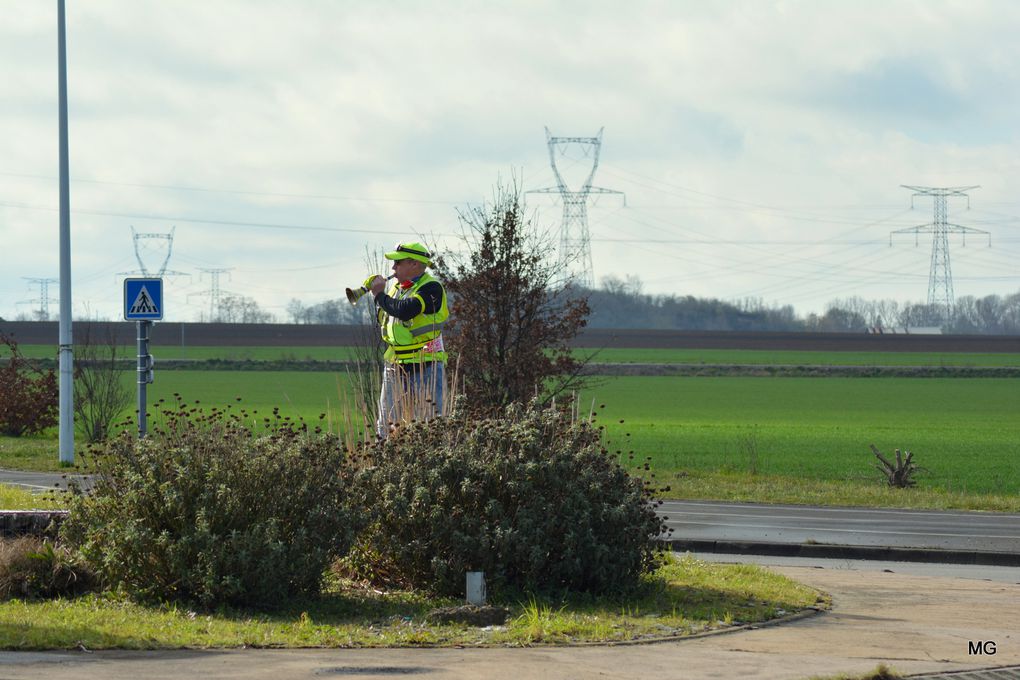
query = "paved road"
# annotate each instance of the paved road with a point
(36, 481)
(749, 522)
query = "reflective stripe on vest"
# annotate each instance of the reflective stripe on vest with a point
(415, 332)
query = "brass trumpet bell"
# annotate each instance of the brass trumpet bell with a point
(354, 295)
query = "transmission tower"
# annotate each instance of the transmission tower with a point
(575, 242)
(215, 293)
(940, 277)
(140, 238)
(44, 296)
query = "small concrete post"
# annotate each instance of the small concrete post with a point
(476, 588)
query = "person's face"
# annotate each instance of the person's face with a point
(405, 269)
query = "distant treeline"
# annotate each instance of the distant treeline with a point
(621, 304)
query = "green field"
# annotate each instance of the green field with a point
(648, 356)
(966, 432)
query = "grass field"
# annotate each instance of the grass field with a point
(966, 432)
(649, 356)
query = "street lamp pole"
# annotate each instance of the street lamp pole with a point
(66, 351)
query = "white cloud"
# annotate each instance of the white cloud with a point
(770, 137)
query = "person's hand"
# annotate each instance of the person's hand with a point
(377, 285)
(367, 285)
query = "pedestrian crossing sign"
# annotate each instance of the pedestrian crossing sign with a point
(143, 299)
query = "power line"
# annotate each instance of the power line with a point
(229, 223)
(239, 192)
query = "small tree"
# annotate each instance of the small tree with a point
(100, 394)
(512, 317)
(28, 395)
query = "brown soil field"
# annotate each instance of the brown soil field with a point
(303, 335)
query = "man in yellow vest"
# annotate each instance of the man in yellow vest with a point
(411, 315)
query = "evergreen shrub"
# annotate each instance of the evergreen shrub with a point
(531, 498)
(203, 510)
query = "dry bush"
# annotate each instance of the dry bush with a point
(901, 474)
(28, 395)
(31, 567)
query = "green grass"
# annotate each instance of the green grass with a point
(811, 433)
(609, 355)
(683, 597)
(872, 493)
(881, 672)
(36, 452)
(964, 431)
(20, 498)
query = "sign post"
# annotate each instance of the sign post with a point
(143, 302)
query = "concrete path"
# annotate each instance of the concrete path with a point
(915, 624)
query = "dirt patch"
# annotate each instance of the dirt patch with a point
(470, 615)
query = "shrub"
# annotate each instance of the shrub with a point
(204, 511)
(530, 498)
(28, 395)
(32, 567)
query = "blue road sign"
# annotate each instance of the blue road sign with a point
(143, 299)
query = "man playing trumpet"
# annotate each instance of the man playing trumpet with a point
(411, 315)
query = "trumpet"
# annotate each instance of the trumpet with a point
(353, 295)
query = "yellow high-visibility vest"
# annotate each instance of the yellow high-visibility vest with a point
(407, 340)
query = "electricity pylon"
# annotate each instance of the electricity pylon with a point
(575, 241)
(215, 293)
(138, 238)
(940, 277)
(44, 296)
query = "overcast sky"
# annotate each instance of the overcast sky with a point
(760, 145)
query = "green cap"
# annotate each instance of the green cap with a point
(410, 251)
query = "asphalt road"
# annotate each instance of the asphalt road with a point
(35, 481)
(749, 522)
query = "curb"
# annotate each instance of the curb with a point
(848, 552)
(30, 522)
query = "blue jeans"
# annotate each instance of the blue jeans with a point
(414, 392)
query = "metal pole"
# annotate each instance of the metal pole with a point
(144, 375)
(66, 350)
